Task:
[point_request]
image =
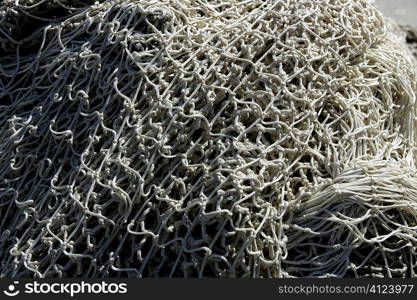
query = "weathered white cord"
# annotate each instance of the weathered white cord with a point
(205, 138)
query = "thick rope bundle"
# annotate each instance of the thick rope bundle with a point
(209, 138)
(363, 223)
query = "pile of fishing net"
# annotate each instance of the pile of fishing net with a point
(208, 138)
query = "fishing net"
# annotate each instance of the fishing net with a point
(209, 138)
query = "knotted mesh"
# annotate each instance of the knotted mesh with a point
(205, 138)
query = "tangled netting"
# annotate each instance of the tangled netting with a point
(206, 138)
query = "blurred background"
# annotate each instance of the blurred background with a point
(402, 11)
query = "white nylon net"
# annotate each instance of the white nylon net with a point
(205, 139)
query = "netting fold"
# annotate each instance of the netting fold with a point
(206, 138)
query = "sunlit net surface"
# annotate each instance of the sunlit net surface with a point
(206, 139)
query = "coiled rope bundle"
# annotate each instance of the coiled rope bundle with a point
(205, 138)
